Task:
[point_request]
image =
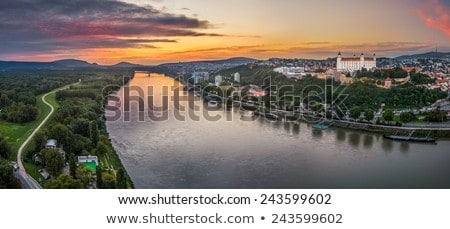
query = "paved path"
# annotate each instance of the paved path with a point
(26, 180)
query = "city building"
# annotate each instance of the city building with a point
(200, 77)
(344, 79)
(51, 144)
(237, 77)
(291, 72)
(218, 80)
(351, 64)
(388, 83)
(253, 90)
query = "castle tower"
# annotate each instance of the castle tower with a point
(338, 62)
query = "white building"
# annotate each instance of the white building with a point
(291, 71)
(51, 144)
(87, 159)
(350, 64)
(237, 77)
(218, 80)
(200, 77)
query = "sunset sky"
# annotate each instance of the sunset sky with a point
(157, 31)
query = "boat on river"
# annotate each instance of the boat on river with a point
(410, 138)
(321, 126)
(213, 103)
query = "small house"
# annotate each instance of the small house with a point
(51, 144)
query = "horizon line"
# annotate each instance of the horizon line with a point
(219, 59)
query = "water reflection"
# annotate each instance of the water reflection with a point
(340, 134)
(404, 147)
(296, 128)
(287, 127)
(354, 139)
(368, 141)
(387, 145)
(237, 153)
(317, 133)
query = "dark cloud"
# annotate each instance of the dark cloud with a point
(47, 25)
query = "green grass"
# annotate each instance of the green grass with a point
(15, 133)
(32, 170)
(51, 98)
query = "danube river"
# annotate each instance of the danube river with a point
(235, 152)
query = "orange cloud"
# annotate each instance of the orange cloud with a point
(436, 16)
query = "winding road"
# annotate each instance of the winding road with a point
(27, 181)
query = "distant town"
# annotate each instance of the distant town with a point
(430, 71)
(434, 64)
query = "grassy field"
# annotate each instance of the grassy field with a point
(51, 98)
(16, 133)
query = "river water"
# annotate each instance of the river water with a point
(235, 152)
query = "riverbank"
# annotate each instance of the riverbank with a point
(382, 129)
(438, 131)
(78, 124)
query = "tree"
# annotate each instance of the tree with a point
(77, 143)
(388, 115)
(355, 112)
(102, 149)
(109, 182)
(40, 139)
(80, 126)
(436, 116)
(53, 161)
(20, 112)
(121, 179)
(406, 117)
(63, 182)
(60, 132)
(369, 114)
(5, 150)
(99, 177)
(7, 178)
(84, 174)
(93, 131)
(4, 101)
(72, 165)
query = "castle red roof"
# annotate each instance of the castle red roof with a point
(350, 59)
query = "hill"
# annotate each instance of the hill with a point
(17, 65)
(232, 61)
(72, 63)
(174, 69)
(66, 64)
(126, 65)
(428, 55)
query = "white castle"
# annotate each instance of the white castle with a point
(350, 64)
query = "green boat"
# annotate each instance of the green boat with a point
(321, 126)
